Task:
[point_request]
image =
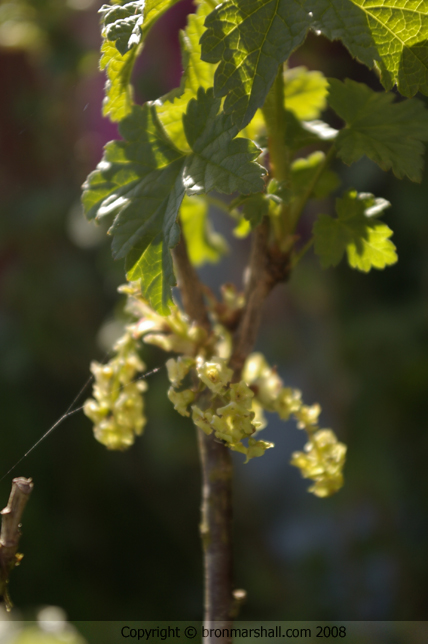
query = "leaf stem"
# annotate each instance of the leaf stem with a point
(298, 209)
(296, 258)
(190, 286)
(274, 116)
(217, 203)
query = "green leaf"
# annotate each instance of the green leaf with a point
(197, 73)
(303, 172)
(153, 10)
(122, 24)
(250, 38)
(298, 135)
(203, 243)
(255, 207)
(388, 133)
(220, 161)
(150, 262)
(124, 28)
(141, 182)
(243, 228)
(400, 31)
(170, 108)
(118, 91)
(256, 128)
(356, 231)
(128, 23)
(305, 92)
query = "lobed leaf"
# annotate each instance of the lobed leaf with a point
(220, 161)
(400, 31)
(303, 172)
(153, 10)
(170, 108)
(141, 182)
(122, 24)
(124, 28)
(389, 133)
(250, 38)
(118, 90)
(203, 243)
(357, 232)
(305, 93)
(197, 73)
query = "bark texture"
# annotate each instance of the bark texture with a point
(11, 533)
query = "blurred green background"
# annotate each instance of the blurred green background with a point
(115, 535)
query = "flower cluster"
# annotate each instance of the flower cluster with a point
(170, 333)
(177, 371)
(202, 387)
(117, 409)
(323, 457)
(226, 411)
(322, 461)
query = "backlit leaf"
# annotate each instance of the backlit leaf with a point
(303, 172)
(250, 38)
(124, 28)
(388, 132)
(305, 92)
(357, 232)
(141, 182)
(170, 108)
(203, 243)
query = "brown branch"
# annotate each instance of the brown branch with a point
(190, 286)
(216, 464)
(11, 533)
(216, 534)
(268, 266)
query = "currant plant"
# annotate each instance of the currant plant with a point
(242, 123)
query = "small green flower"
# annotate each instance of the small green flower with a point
(215, 373)
(307, 416)
(178, 369)
(322, 461)
(181, 400)
(289, 401)
(202, 419)
(257, 448)
(241, 394)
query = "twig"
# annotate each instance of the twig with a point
(268, 266)
(11, 533)
(190, 286)
(216, 464)
(216, 534)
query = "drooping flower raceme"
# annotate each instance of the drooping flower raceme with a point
(117, 409)
(323, 457)
(322, 461)
(202, 387)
